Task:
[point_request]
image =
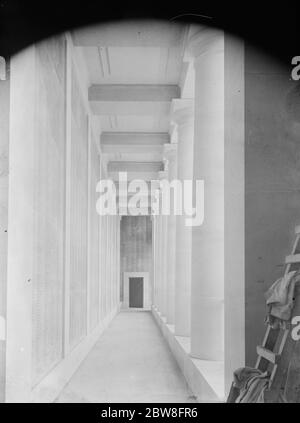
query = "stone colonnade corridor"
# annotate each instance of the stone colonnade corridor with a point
(131, 362)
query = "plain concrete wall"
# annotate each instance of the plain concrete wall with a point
(4, 138)
(272, 176)
(136, 245)
(234, 207)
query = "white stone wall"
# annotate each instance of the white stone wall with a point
(63, 259)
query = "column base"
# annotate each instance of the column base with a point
(207, 329)
(205, 378)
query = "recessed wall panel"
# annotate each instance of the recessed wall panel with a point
(78, 216)
(49, 192)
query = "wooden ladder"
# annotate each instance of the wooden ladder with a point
(276, 352)
(279, 353)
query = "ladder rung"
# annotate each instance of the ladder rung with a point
(267, 354)
(293, 258)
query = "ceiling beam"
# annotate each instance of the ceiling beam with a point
(121, 191)
(135, 167)
(138, 100)
(130, 34)
(135, 147)
(145, 176)
(130, 153)
(135, 138)
(130, 108)
(133, 92)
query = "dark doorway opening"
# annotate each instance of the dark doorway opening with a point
(136, 292)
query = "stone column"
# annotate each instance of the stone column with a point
(119, 262)
(158, 278)
(170, 154)
(163, 253)
(154, 245)
(183, 116)
(206, 49)
(114, 261)
(153, 260)
(106, 281)
(156, 263)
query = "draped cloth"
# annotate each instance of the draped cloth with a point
(280, 299)
(251, 384)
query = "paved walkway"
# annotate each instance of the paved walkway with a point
(130, 362)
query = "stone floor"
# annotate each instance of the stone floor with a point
(130, 362)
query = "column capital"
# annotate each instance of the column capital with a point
(173, 131)
(154, 184)
(182, 111)
(162, 175)
(166, 164)
(155, 195)
(205, 40)
(169, 151)
(104, 164)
